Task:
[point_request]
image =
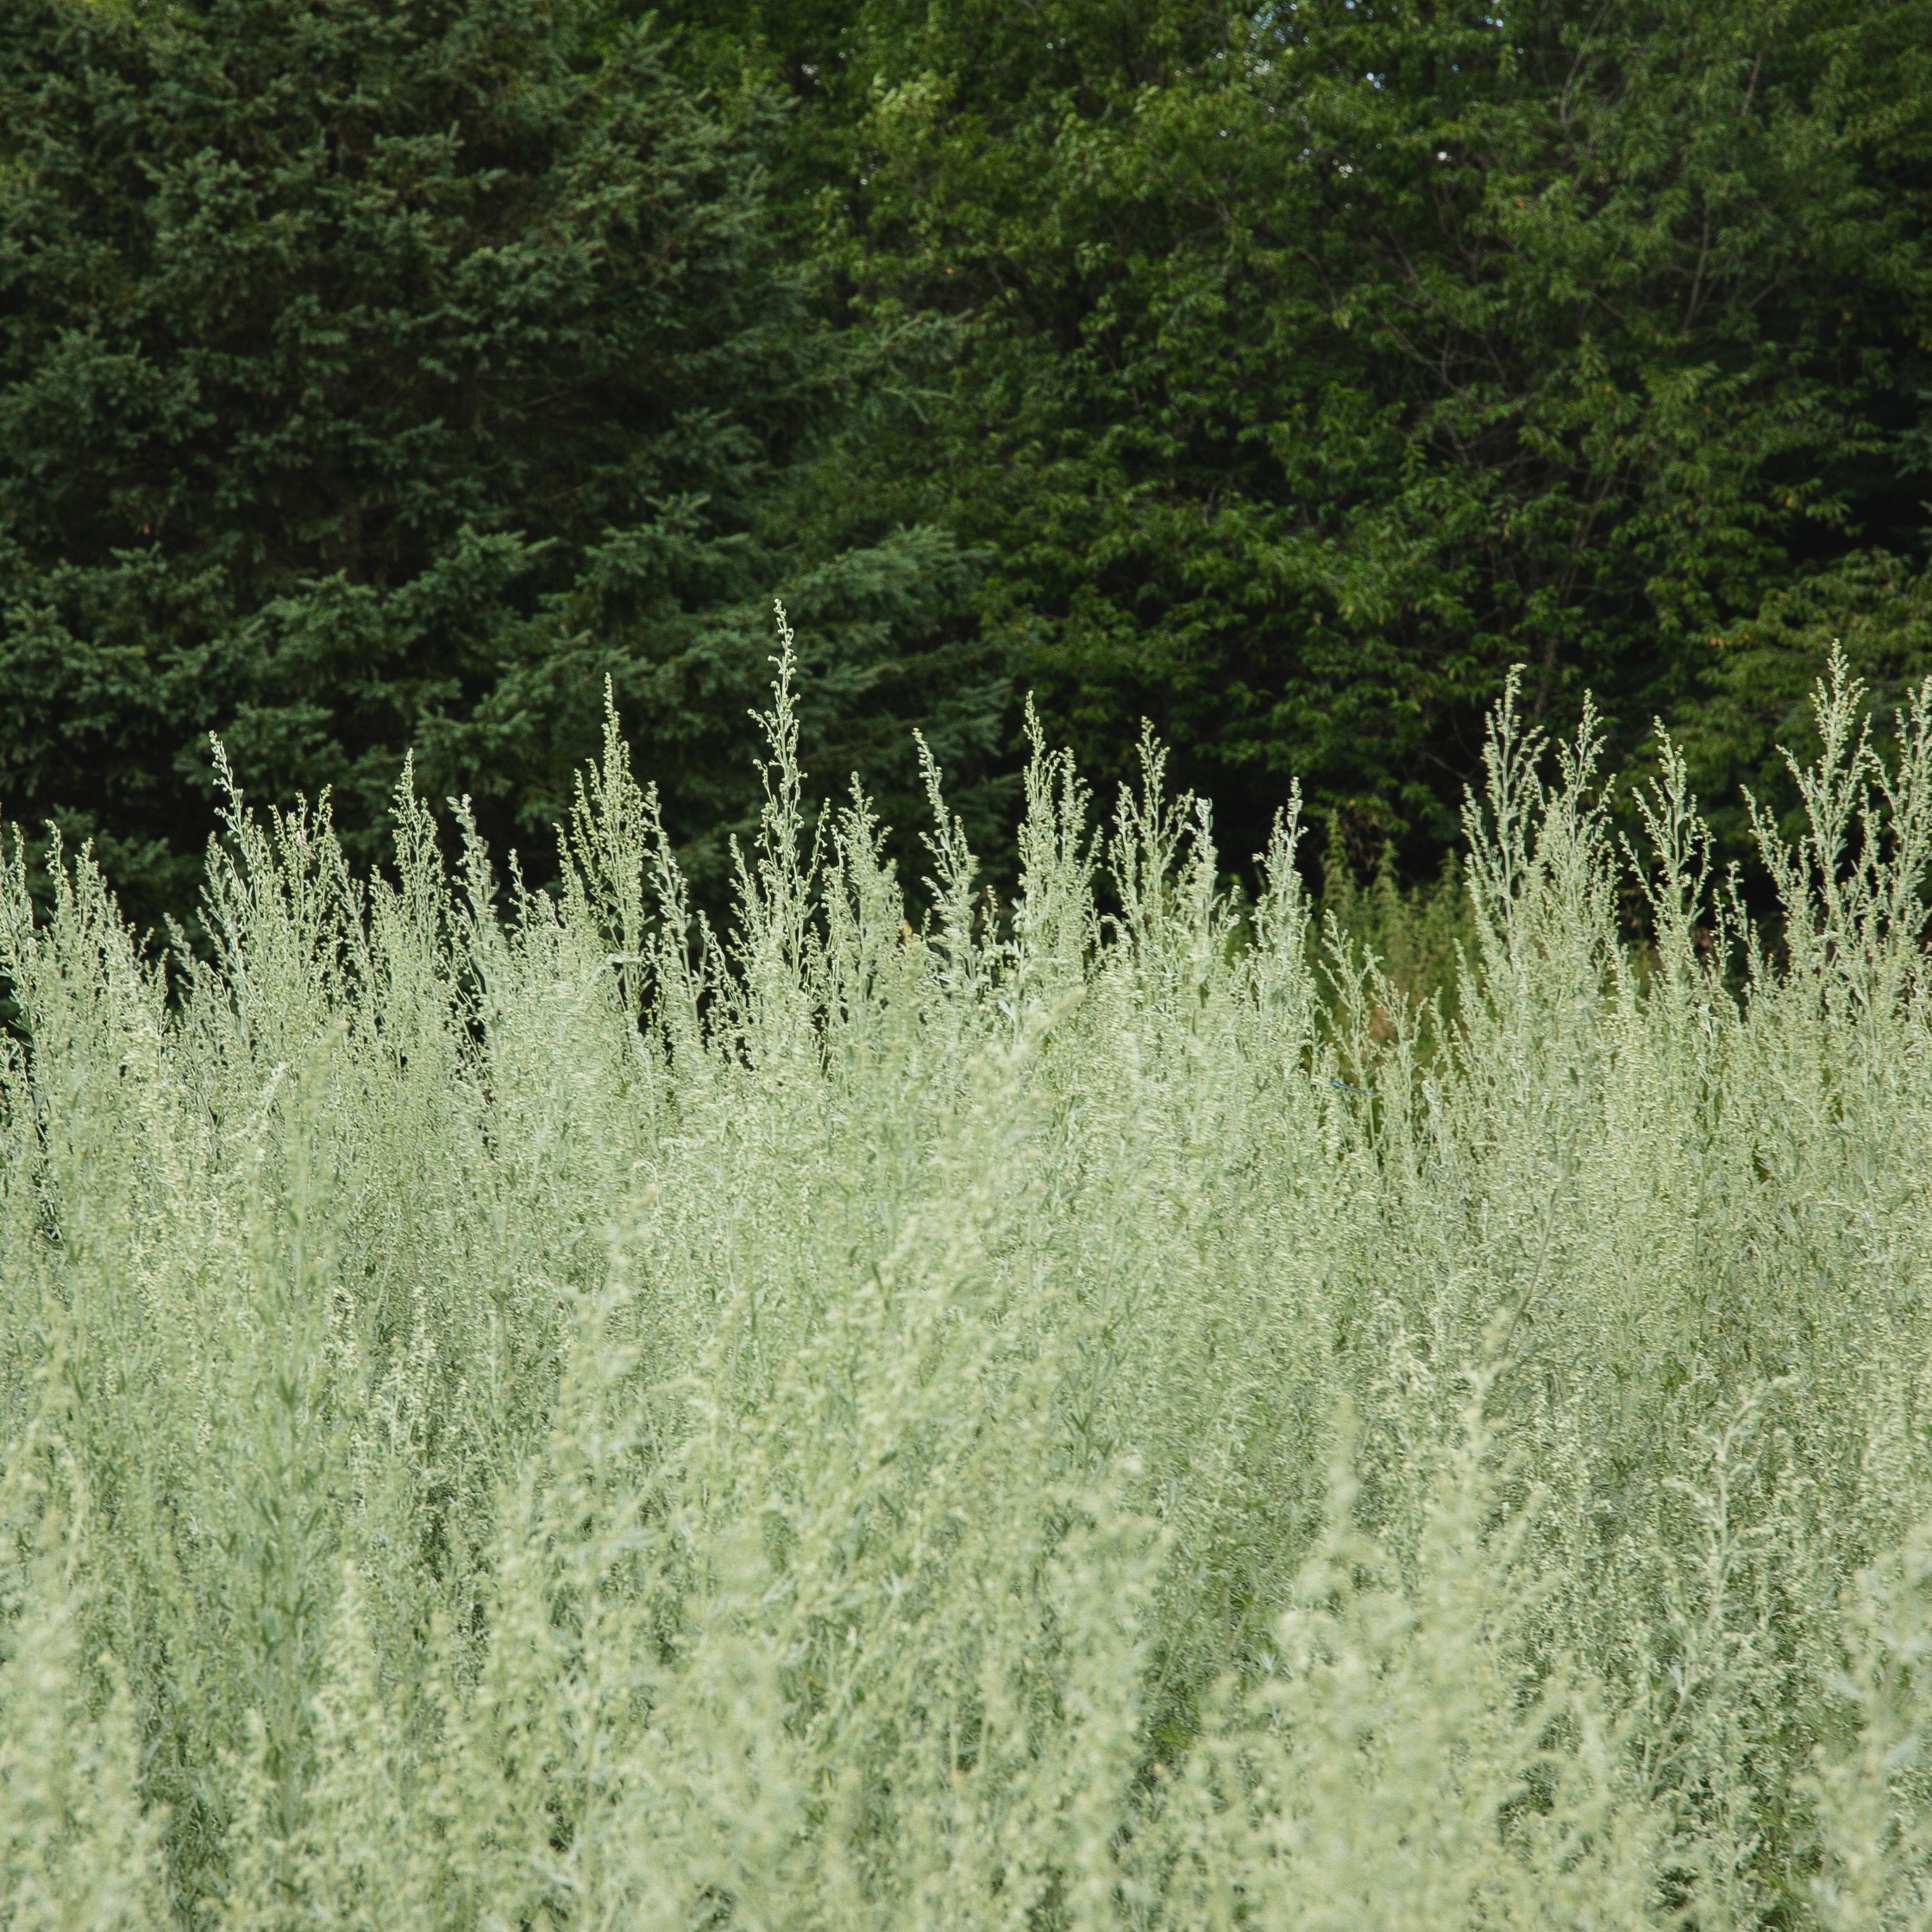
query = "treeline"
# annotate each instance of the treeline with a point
(379, 378)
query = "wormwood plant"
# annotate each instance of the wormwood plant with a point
(523, 1411)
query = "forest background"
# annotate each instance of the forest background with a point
(383, 376)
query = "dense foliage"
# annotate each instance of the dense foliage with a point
(1304, 366)
(377, 378)
(525, 1417)
(674, 1377)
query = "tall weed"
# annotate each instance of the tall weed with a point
(521, 1410)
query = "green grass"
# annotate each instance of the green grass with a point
(522, 1412)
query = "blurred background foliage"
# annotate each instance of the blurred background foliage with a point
(378, 377)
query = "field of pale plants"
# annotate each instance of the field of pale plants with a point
(521, 1411)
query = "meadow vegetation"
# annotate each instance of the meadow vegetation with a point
(521, 1410)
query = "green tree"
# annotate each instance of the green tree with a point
(1305, 365)
(378, 377)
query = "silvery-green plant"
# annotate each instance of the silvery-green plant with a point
(520, 1409)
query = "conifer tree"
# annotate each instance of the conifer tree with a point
(381, 377)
